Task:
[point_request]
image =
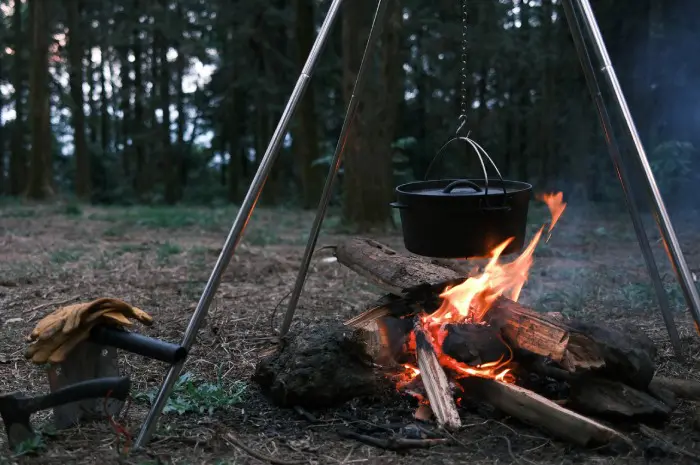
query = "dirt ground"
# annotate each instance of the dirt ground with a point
(159, 259)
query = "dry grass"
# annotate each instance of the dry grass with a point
(159, 259)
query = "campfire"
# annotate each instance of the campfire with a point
(447, 338)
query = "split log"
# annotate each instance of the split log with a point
(625, 358)
(322, 369)
(540, 412)
(529, 330)
(613, 400)
(435, 382)
(684, 388)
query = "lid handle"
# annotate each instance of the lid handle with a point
(460, 182)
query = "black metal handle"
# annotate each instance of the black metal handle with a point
(114, 387)
(138, 344)
(459, 183)
(398, 205)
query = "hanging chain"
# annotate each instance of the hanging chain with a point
(463, 71)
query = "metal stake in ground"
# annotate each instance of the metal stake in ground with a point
(239, 223)
(374, 32)
(625, 182)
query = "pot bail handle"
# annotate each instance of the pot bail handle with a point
(479, 150)
(461, 182)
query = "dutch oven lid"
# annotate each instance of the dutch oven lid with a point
(456, 188)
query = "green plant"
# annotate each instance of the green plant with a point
(192, 395)
(31, 446)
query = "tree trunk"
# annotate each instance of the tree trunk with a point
(306, 140)
(105, 142)
(169, 163)
(236, 148)
(39, 186)
(368, 166)
(75, 52)
(93, 74)
(18, 152)
(140, 174)
(126, 90)
(180, 153)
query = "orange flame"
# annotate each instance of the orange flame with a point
(470, 301)
(556, 205)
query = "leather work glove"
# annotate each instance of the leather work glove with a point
(61, 331)
(66, 319)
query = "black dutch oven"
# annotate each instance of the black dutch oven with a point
(460, 218)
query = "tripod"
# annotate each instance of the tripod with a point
(581, 20)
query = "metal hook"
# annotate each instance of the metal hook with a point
(462, 122)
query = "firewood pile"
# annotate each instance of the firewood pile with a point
(582, 382)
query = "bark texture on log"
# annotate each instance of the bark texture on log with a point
(387, 268)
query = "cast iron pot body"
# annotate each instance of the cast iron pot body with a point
(460, 218)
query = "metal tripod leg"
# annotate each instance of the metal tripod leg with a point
(623, 175)
(671, 243)
(240, 222)
(374, 33)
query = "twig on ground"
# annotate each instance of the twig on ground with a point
(305, 414)
(273, 314)
(230, 438)
(395, 444)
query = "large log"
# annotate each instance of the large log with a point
(387, 268)
(538, 411)
(575, 346)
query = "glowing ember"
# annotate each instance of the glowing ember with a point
(469, 302)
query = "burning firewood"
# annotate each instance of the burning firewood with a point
(436, 384)
(575, 346)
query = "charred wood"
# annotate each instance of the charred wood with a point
(615, 401)
(322, 369)
(474, 344)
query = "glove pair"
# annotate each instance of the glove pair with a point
(58, 333)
